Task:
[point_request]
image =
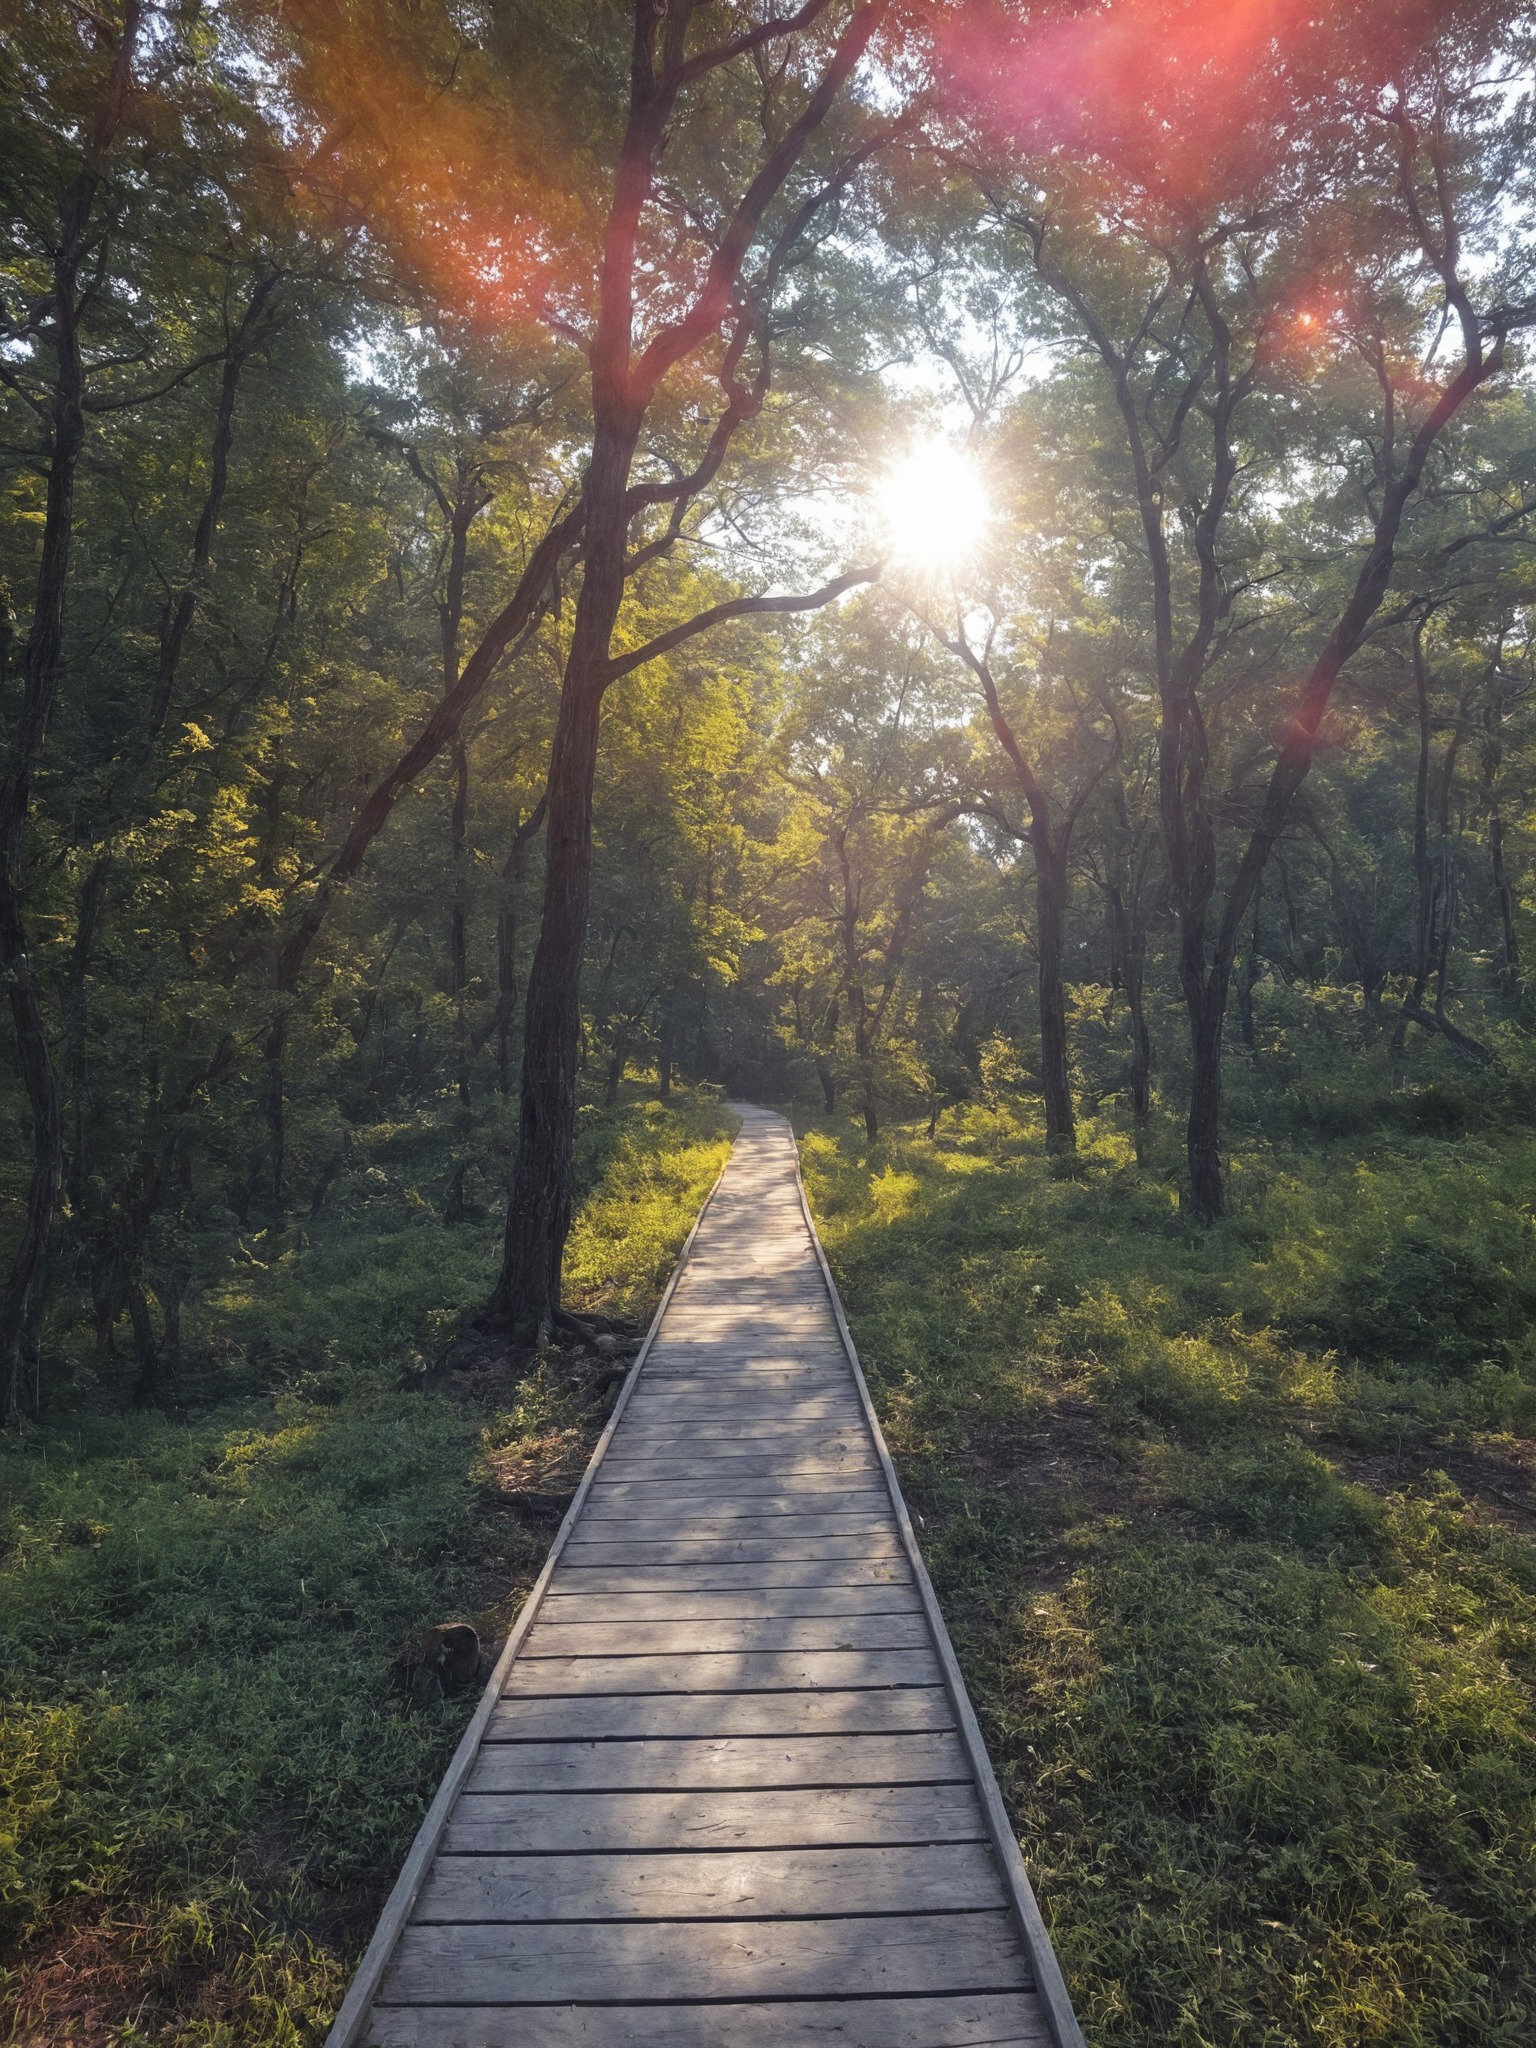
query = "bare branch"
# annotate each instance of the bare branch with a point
(738, 608)
(752, 39)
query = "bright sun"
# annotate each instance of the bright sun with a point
(932, 508)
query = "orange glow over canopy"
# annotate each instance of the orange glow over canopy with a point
(1190, 99)
(421, 143)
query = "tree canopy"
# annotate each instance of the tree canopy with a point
(444, 459)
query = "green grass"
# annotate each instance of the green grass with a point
(1233, 1530)
(207, 1774)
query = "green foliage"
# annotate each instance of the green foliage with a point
(207, 1774)
(1234, 1532)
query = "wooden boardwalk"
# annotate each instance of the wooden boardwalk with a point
(725, 1789)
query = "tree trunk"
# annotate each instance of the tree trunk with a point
(1128, 958)
(274, 1091)
(458, 943)
(871, 1120)
(512, 872)
(1423, 866)
(1050, 912)
(179, 610)
(1504, 897)
(506, 965)
(1503, 894)
(77, 1025)
(1249, 979)
(147, 1388)
(20, 1301)
(828, 1082)
(527, 1293)
(1207, 1009)
(1297, 951)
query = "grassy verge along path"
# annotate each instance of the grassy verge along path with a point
(1234, 1533)
(208, 1774)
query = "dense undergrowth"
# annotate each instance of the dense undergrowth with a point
(1234, 1532)
(207, 1771)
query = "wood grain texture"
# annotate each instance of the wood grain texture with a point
(591, 1609)
(802, 1442)
(824, 1519)
(590, 1823)
(783, 1468)
(722, 1959)
(713, 1884)
(788, 1544)
(736, 1436)
(1009, 2020)
(725, 1634)
(703, 1764)
(671, 1517)
(746, 1671)
(735, 1403)
(629, 1716)
(702, 1578)
(788, 1490)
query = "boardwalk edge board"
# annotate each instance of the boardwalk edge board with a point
(1050, 1985)
(355, 2006)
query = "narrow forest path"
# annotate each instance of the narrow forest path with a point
(725, 1790)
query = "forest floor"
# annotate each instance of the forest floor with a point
(209, 1767)
(1234, 1532)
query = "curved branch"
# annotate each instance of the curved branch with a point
(737, 608)
(518, 617)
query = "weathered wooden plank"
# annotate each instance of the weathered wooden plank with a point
(575, 1577)
(985, 2020)
(775, 1384)
(721, 1959)
(747, 1671)
(679, 1524)
(593, 1823)
(714, 1884)
(782, 1467)
(723, 1341)
(794, 1545)
(776, 1313)
(798, 1331)
(781, 1393)
(751, 1313)
(658, 1397)
(632, 1716)
(778, 1421)
(673, 1764)
(650, 1447)
(714, 1361)
(746, 1603)
(683, 1512)
(732, 1432)
(726, 1635)
(706, 1494)
(720, 1341)
(723, 1410)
